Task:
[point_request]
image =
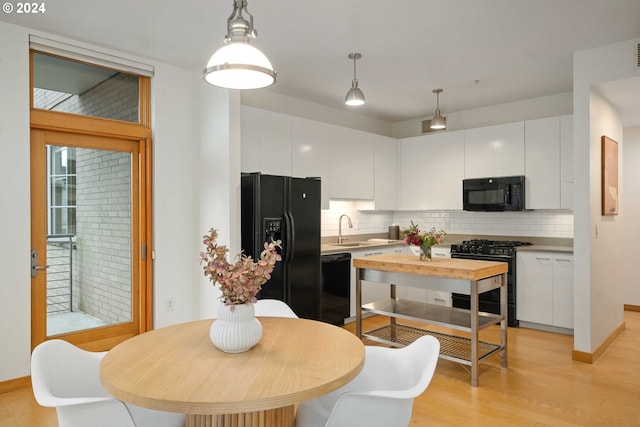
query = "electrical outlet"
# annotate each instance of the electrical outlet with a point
(168, 304)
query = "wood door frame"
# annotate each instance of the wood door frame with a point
(44, 120)
(97, 339)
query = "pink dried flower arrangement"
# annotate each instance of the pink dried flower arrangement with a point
(239, 282)
(413, 236)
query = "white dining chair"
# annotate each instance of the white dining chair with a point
(68, 378)
(273, 308)
(383, 392)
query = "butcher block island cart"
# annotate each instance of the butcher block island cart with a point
(469, 277)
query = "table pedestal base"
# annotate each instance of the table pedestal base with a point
(279, 417)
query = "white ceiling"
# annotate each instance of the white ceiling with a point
(515, 49)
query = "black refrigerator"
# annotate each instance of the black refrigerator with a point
(288, 209)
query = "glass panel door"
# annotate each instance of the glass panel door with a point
(89, 207)
(89, 241)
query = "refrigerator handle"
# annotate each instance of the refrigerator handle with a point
(290, 237)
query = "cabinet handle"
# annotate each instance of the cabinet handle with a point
(543, 259)
(563, 259)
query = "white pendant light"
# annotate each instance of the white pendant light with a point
(438, 122)
(238, 65)
(355, 95)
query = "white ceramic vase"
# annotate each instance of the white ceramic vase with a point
(235, 331)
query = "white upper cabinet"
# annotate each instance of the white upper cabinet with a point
(542, 171)
(311, 152)
(250, 139)
(385, 172)
(275, 146)
(430, 171)
(265, 141)
(494, 151)
(478, 153)
(549, 163)
(566, 162)
(352, 159)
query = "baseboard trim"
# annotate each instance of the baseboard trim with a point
(581, 356)
(629, 307)
(15, 384)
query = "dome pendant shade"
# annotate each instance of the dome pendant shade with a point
(438, 122)
(238, 65)
(355, 96)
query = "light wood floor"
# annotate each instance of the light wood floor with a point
(541, 387)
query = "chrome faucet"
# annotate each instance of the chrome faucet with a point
(340, 226)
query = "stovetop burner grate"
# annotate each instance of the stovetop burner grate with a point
(488, 247)
(503, 243)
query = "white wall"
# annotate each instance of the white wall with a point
(631, 210)
(216, 180)
(196, 182)
(15, 280)
(550, 223)
(297, 107)
(598, 308)
(528, 109)
(175, 264)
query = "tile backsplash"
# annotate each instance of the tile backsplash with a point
(547, 223)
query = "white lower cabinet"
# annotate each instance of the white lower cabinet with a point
(371, 291)
(545, 289)
(427, 295)
(563, 290)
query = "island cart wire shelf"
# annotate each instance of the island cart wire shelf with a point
(454, 348)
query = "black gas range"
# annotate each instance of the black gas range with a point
(491, 250)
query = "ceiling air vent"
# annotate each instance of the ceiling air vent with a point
(636, 48)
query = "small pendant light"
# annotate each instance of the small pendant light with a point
(238, 65)
(438, 122)
(355, 95)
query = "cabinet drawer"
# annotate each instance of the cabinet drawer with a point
(439, 298)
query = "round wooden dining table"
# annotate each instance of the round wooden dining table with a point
(178, 369)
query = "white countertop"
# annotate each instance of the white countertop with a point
(546, 248)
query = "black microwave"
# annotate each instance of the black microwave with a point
(503, 193)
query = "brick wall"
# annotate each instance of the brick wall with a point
(102, 268)
(102, 258)
(115, 98)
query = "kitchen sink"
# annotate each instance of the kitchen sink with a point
(349, 244)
